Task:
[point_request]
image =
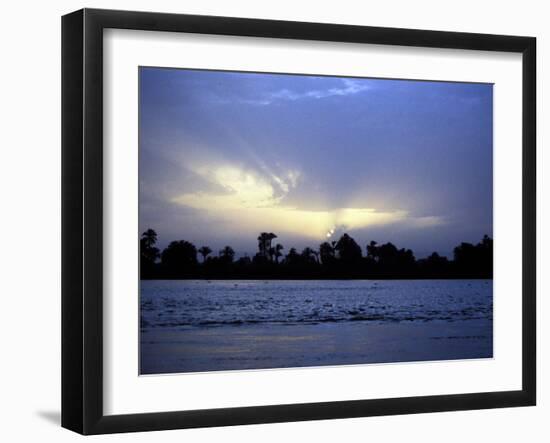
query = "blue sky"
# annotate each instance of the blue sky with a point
(227, 155)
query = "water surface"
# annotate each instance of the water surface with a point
(198, 325)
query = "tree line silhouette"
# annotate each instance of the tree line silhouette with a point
(341, 259)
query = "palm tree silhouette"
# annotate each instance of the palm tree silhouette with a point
(340, 259)
(227, 253)
(261, 243)
(326, 251)
(204, 251)
(149, 238)
(264, 244)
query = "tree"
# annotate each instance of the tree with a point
(485, 250)
(348, 250)
(476, 260)
(464, 253)
(292, 258)
(227, 254)
(436, 260)
(148, 253)
(372, 251)
(244, 262)
(204, 251)
(149, 238)
(179, 258)
(326, 252)
(434, 265)
(264, 243)
(308, 255)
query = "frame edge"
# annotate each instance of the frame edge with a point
(72, 221)
(529, 220)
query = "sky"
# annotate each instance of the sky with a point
(227, 155)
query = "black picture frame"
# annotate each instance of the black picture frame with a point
(82, 218)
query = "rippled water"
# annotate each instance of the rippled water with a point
(195, 303)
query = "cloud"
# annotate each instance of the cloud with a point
(254, 202)
(348, 87)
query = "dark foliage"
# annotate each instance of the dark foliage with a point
(148, 254)
(474, 260)
(338, 259)
(179, 259)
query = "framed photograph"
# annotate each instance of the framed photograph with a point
(268, 221)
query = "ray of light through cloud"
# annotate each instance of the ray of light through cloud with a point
(258, 205)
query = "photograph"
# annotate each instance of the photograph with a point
(291, 221)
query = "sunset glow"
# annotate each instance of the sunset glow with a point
(225, 155)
